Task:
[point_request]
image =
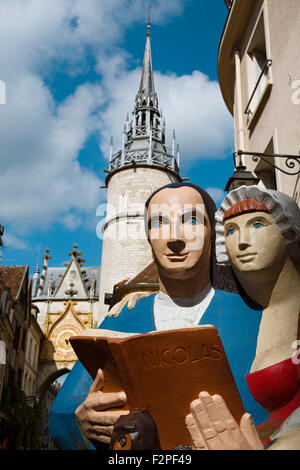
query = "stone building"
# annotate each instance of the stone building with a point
(65, 299)
(15, 323)
(34, 343)
(6, 331)
(142, 165)
(259, 75)
(15, 320)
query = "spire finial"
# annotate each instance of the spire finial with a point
(37, 268)
(46, 256)
(74, 252)
(149, 20)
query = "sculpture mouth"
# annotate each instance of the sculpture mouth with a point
(246, 258)
(177, 257)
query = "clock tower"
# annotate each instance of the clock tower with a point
(143, 164)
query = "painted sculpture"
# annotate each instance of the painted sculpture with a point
(258, 232)
(193, 290)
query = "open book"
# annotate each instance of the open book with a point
(161, 372)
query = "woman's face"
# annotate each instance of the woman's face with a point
(254, 242)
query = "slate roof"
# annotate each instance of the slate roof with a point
(13, 277)
(57, 273)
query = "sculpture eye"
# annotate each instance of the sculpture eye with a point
(156, 222)
(123, 442)
(230, 231)
(192, 220)
(257, 225)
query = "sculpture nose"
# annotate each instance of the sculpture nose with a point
(176, 246)
(244, 240)
(243, 246)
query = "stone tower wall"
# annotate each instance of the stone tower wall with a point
(125, 249)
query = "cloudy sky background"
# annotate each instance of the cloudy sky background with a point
(72, 69)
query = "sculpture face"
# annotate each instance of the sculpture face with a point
(254, 242)
(179, 231)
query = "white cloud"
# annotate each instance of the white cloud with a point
(11, 241)
(192, 105)
(72, 221)
(41, 179)
(194, 108)
(33, 32)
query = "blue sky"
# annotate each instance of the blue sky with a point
(71, 69)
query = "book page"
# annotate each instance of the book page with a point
(96, 333)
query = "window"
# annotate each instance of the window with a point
(11, 314)
(35, 356)
(258, 65)
(2, 374)
(23, 340)
(16, 338)
(29, 350)
(25, 383)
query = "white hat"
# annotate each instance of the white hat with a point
(284, 210)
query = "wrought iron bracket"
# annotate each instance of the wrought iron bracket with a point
(291, 161)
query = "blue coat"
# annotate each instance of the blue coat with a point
(237, 321)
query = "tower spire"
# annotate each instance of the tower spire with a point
(144, 135)
(35, 278)
(146, 91)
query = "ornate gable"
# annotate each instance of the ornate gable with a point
(72, 283)
(59, 327)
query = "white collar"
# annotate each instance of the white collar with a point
(181, 312)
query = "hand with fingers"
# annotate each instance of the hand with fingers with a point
(212, 427)
(95, 416)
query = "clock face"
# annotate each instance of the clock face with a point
(62, 339)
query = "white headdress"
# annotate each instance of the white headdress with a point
(283, 209)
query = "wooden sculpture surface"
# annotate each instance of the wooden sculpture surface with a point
(259, 232)
(192, 292)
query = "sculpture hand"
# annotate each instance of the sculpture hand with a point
(130, 299)
(94, 416)
(212, 427)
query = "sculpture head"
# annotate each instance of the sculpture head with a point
(257, 230)
(180, 228)
(252, 238)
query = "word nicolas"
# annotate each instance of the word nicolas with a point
(181, 355)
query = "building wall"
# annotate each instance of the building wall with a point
(15, 322)
(6, 333)
(32, 353)
(274, 125)
(280, 115)
(125, 248)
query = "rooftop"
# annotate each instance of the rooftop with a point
(12, 277)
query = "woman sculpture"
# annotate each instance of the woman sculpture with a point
(258, 232)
